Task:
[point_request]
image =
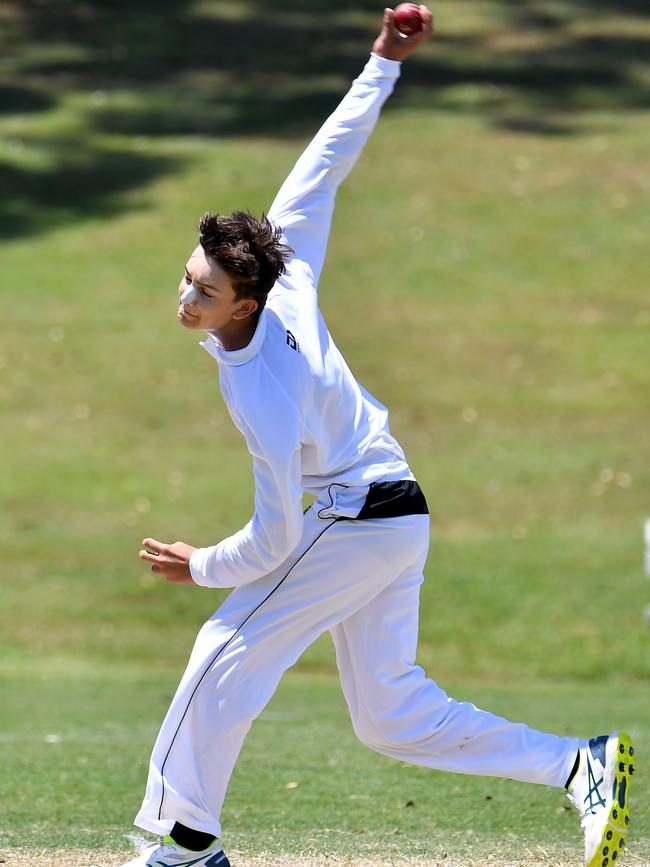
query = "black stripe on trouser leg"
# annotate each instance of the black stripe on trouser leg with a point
(221, 649)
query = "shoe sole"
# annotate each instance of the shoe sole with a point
(612, 841)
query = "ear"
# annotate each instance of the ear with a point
(246, 307)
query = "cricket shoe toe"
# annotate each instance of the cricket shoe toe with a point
(170, 855)
(600, 793)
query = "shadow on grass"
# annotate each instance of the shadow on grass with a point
(180, 67)
(16, 99)
(87, 181)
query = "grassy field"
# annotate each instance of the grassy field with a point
(73, 766)
(487, 279)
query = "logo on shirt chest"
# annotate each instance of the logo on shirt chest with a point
(292, 342)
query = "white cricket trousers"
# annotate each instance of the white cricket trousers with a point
(360, 580)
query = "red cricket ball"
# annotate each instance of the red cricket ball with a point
(407, 18)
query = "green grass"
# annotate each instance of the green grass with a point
(487, 280)
(303, 782)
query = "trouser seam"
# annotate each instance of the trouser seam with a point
(221, 649)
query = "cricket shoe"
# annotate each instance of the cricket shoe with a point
(168, 854)
(599, 791)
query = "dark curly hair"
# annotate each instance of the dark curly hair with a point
(248, 249)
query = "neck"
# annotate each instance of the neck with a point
(238, 333)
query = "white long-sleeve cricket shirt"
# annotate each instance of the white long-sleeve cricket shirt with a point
(307, 422)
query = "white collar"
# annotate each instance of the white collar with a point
(235, 357)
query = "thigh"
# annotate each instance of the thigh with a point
(338, 568)
(382, 635)
(376, 649)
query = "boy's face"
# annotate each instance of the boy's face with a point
(212, 306)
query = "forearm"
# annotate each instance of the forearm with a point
(255, 550)
(240, 559)
(305, 202)
(276, 527)
(337, 145)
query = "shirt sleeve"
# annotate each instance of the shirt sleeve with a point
(304, 205)
(276, 526)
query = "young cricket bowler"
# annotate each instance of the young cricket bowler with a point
(353, 563)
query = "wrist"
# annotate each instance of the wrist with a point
(383, 56)
(385, 65)
(198, 564)
(386, 53)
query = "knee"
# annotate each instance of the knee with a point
(379, 731)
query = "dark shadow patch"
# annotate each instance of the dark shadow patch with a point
(81, 183)
(536, 125)
(178, 68)
(15, 99)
